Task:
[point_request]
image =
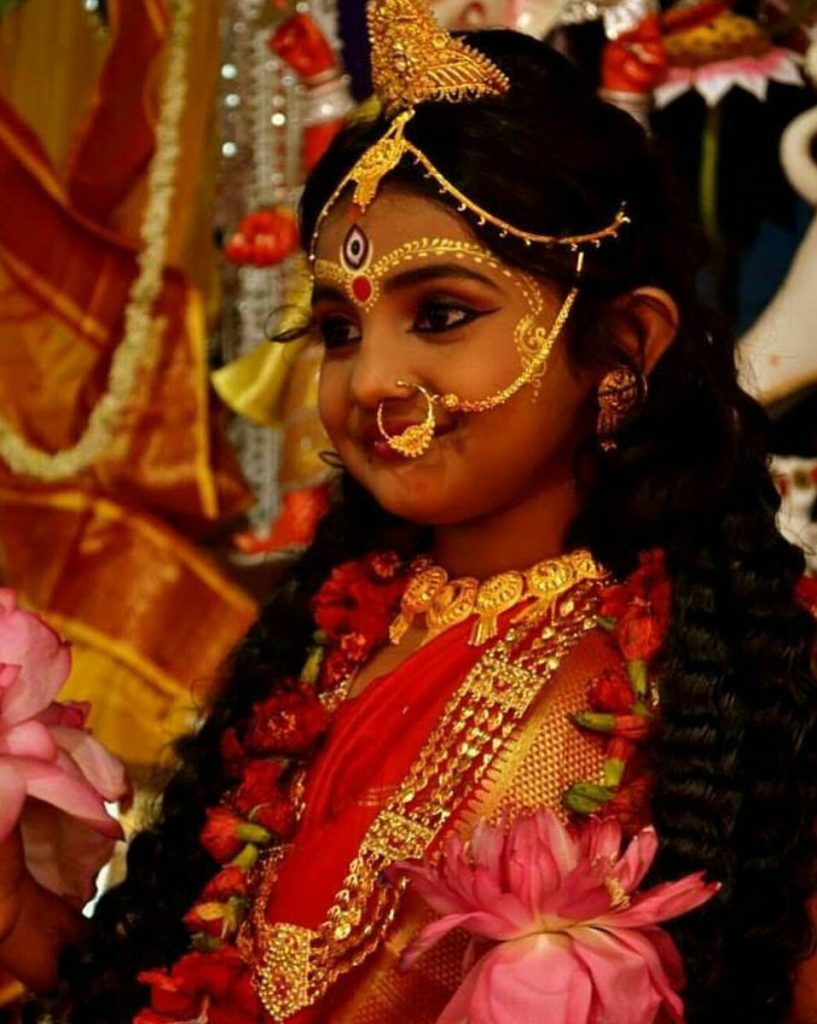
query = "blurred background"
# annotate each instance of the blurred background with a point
(159, 457)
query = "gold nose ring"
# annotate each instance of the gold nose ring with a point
(416, 439)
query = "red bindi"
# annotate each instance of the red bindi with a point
(362, 288)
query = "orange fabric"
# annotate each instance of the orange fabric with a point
(117, 139)
(150, 615)
(103, 555)
(67, 282)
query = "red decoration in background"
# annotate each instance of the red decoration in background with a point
(300, 42)
(264, 238)
(635, 62)
(301, 511)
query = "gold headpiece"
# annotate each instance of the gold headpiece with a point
(415, 61)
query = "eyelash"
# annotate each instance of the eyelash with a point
(469, 315)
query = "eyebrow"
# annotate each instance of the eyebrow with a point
(407, 278)
(417, 275)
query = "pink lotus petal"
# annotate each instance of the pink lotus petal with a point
(56, 784)
(428, 937)
(64, 855)
(549, 895)
(28, 739)
(44, 660)
(8, 675)
(662, 903)
(13, 788)
(101, 769)
(637, 858)
(533, 979)
(628, 980)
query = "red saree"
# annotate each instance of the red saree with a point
(373, 742)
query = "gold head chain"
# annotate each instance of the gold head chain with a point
(415, 61)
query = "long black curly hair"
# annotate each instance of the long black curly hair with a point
(736, 756)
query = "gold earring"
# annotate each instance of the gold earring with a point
(416, 439)
(618, 394)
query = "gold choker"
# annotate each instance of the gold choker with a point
(444, 602)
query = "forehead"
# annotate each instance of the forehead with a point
(395, 217)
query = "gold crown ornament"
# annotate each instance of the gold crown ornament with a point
(416, 61)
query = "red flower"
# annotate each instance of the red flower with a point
(335, 667)
(261, 797)
(219, 978)
(288, 722)
(611, 691)
(211, 918)
(224, 834)
(640, 608)
(641, 631)
(632, 727)
(356, 600)
(230, 881)
(384, 565)
(648, 583)
(620, 748)
(219, 835)
(631, 805)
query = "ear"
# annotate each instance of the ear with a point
(648, 325)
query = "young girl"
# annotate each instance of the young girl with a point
(550, 588)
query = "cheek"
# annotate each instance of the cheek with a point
(333, 397)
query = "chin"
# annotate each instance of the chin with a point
(429, 510)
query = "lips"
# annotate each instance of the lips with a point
(375, 444)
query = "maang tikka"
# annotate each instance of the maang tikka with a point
(415, 61)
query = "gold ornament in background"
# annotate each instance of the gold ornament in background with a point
(414, 60)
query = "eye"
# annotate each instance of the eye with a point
(439, 315)
(338, 331)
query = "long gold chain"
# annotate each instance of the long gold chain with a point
(295, 966)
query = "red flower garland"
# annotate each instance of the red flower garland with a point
(353, 611)
(623, 706)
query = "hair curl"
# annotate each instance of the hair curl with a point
(736, 756)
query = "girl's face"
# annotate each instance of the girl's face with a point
(439, 310)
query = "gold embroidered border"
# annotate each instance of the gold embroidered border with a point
(294, 967)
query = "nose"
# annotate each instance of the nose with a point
(378, 365)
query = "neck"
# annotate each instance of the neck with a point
(516, 537)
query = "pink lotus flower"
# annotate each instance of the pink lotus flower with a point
(572, 943)
(713, 81)
(54, 776)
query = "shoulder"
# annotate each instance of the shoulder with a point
(579, 748)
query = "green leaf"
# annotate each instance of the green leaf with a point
(587, 797)
(637, 671)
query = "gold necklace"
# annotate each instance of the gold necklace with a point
(294, 966)
(444, 602)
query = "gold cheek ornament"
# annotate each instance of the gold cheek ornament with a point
(360, 277)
